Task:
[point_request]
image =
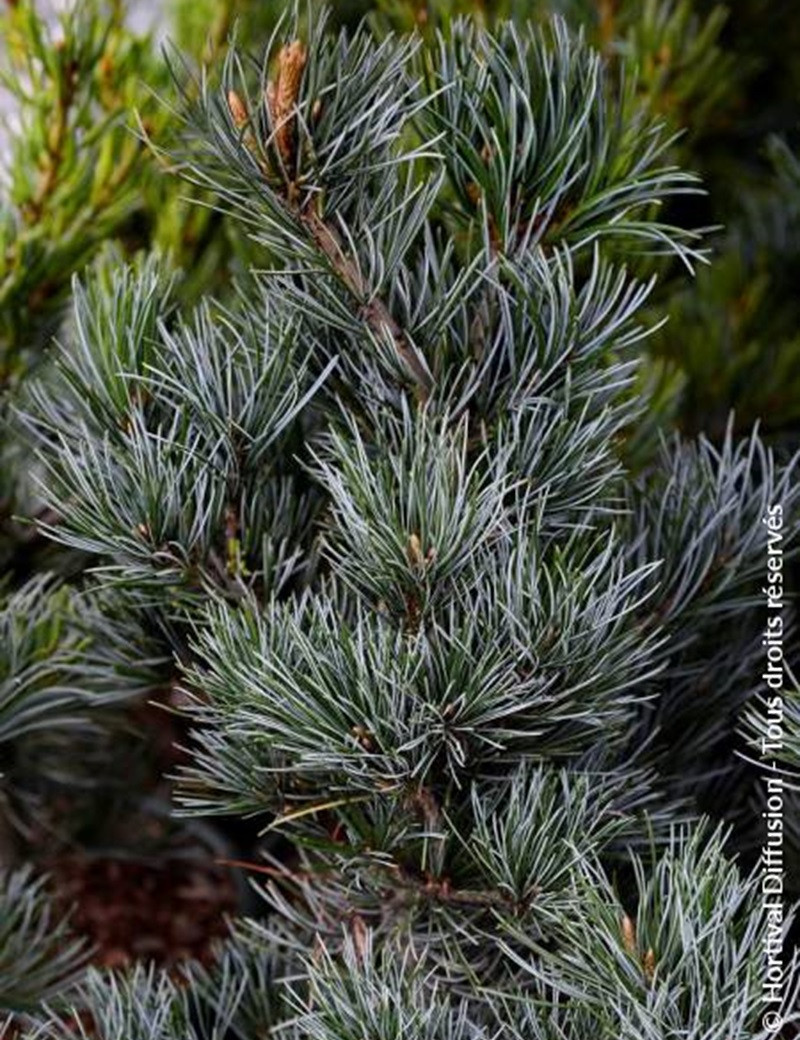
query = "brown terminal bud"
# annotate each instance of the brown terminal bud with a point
(363, 736)
(473, 193)
(360, 936)
(629, 934)
(238, 109)
(415, 557)
(282, 95)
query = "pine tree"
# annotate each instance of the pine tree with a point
(374, 512)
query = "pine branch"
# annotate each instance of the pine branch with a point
(375, 311)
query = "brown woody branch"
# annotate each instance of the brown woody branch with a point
(374, 310)
(281, 99)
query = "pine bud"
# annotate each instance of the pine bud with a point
(649, 964)
(629, 934)
(473, 193)
(238, 109)
(360, 936)
(415, 557)
(363, 736)
(282, 95)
